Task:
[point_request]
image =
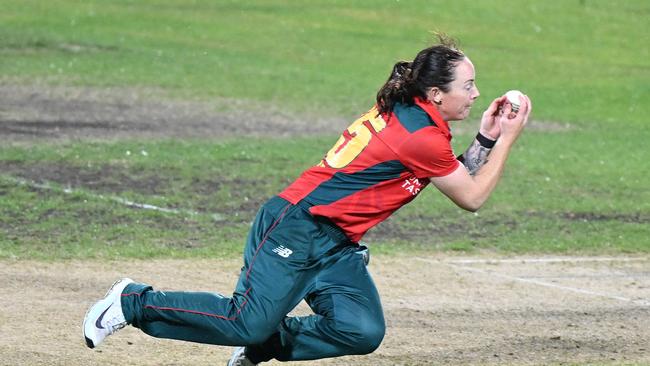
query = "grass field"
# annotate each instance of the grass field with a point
(139, 138)
(576, 182)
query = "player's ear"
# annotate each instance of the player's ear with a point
(434, 95)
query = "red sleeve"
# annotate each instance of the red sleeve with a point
(428, 153)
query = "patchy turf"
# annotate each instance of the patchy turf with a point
(40, 112)
(73, 156)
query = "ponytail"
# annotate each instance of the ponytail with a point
(396, 88)
(432, 67)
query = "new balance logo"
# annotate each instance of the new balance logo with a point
(282, 251)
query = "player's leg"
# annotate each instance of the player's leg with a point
(348, 315)
(272, 282)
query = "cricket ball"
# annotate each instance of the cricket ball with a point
(513, 99)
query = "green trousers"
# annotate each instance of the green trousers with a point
(289, 256)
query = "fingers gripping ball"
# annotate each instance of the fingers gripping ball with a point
(513, 98)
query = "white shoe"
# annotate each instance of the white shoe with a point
(238, 358)
(105, 317)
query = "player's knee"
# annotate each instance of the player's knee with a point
(369, 337)
(362, 336)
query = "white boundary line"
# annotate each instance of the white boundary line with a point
(541, 283)
(548, 260)
(120, 200)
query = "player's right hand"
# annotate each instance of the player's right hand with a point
(490, 126)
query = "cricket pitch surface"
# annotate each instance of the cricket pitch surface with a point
(440, 310)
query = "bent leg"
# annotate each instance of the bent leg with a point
(272, 282)
(348, 320)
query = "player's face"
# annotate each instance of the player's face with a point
(456, 103)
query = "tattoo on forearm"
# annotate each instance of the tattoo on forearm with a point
(474, 157)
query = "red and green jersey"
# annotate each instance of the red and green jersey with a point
(379, 164)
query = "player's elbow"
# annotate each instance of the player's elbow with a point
(462, 189)
(471, 203)
(471, 206)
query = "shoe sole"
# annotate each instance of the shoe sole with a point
(89, 341)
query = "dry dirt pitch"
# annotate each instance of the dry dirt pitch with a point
(439, 310)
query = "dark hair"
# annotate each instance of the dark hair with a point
(433, 66)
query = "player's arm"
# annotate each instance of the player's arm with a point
(470, 192)
(477, 153)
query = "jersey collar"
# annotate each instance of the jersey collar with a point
(432, 111)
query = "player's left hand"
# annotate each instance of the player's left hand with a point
(490, 126)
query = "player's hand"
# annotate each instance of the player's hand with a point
(490, 126)
(512, 124)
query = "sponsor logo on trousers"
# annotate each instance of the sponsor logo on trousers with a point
(282, 251)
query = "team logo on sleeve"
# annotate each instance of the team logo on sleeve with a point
(412, 185)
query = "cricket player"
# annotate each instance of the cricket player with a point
(304, 242)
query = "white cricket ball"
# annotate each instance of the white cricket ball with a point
(513, 99)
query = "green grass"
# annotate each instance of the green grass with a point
(547, 202)
(581, 61)
(189, 176)
(579, 190)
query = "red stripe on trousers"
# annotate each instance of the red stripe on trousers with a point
(277, 221)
